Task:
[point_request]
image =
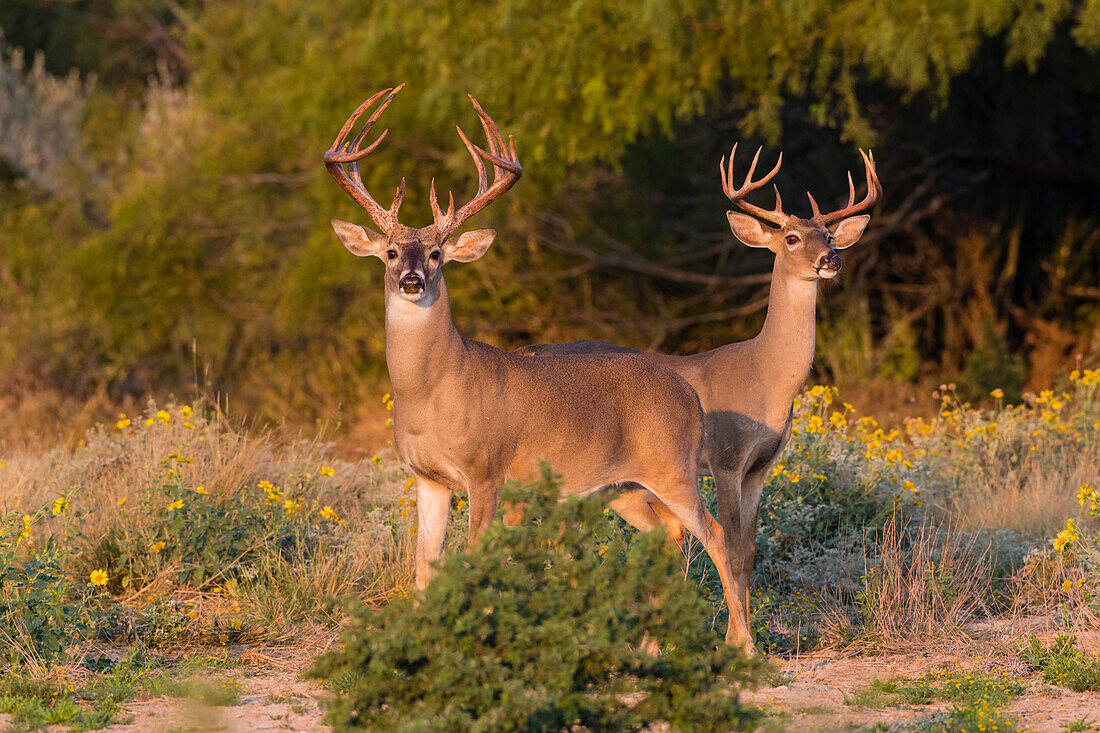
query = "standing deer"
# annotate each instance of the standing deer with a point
(468, 415)
(747, 389)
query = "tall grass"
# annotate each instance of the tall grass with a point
(206, 531)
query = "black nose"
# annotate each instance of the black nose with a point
(830, 261)
(411, 284)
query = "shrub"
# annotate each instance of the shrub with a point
(39, 608)
(1062, 663)
(543, 628)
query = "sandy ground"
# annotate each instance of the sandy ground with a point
(811, 693)
(815, 699)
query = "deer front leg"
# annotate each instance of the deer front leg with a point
(752, 489)
(433, 507)
(733, 512)
(483, 509)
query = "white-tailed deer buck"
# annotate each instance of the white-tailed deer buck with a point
(748, 388)
(468, 415)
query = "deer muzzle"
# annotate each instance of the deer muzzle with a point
(411, 284)
(828, 265)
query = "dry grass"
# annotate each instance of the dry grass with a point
(923, 583)
(108, 474)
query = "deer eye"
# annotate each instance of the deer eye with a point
(792, 239)
(434, 256)
(392, 254)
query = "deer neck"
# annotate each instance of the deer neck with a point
(422, 345)
(784, 348)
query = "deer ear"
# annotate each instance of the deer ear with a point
(360, 241)
(469, 246)
(748, 230)
(848, 231)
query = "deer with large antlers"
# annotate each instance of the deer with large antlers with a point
(747, 389)
(468, 415)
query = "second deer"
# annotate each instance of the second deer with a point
(467, 415)
(748, 388)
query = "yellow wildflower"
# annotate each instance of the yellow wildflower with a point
(177, 504)
(192, 615)
(292, 506)
(1066, 537)
(1067, 585)
(328, 513)
(461, 504)
(376, 460)
(327, 471)
(123, 422)
(121, 501)
(98, 578)
(794, 477)
(60, 504)
(156, 547)
(997, 394)
(186, 411)
(201, 490)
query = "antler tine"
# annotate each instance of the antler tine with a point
(349, 153)
(506, 171)
(776, 215)
(874, 193)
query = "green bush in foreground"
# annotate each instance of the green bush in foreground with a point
(541, 628)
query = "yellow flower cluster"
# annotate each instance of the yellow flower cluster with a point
(98, 578)
(327, 471)
(292, 506)
(1066, 537)
(60, 504)
(272, 492)
(1088, 377)
(330, 514)
(1088, 496)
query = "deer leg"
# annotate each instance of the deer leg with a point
(433, 507)
(643, 511)
(483, 509)
(684, 503)
(752, 489)
(732, 516)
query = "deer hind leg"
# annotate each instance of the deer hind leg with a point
(683, 502)
(433, 507)
(645, 512)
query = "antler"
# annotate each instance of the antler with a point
(342, 153)
(776, 215)
(506, 171)
(874, 193)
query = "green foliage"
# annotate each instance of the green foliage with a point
(977, 700)
(35, 704)
(39, 610)
(976, 716)
(991, 365)
(539, 630)
(193, 224)
(203, 537)
(1062, 663)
